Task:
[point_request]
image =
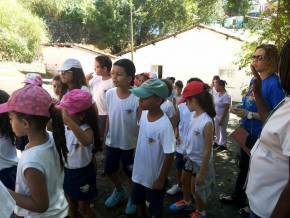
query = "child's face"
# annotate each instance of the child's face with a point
(99, 69)
(66, 77)
(120, 77)
(215, 83)
(19, 126)
(178, 90)
(149, 103)
(191, 104)
(219, 88)
(56, 86)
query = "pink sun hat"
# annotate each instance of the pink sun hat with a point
(75, 101)
(30, 100)
(33, 79)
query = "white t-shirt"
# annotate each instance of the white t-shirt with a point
(219, 102)
(183, 126)
(45, 159)
(195, 138)
(168, 108)
(154, 141)
(78, 155)
(123, 129)
(269, 166)
(8, 155)
(99, 88)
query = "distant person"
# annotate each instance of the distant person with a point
(265, 61)
(81, 133)
(214, 84)
(198, 168)
(72, 76)
(268, 187)
(39, 180)
(8, 155)
(99, 84)
(155, 149)
(178, 90)
(140, 78)
(172, 96)
(122, 132)
(222, 102)
(168, 106)
(33, 79)
(56, 87)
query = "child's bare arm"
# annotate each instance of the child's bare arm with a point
(208, 134)
(38, 201)
(85, 137)
(160, 182)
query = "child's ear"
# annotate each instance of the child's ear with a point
(130, 78)
(26, 123)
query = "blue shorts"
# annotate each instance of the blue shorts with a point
(113, 158)
(179, 161)
(8, 177)
(80, 184)
(141, 194)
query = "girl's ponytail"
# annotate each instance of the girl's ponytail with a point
(58, 134)
(205, 100)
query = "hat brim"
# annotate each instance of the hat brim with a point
(63, 68)
(140, 92)
(4, 108)
(182, 100)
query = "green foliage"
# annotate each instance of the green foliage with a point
(236, 7)
(21, 33)
(67, 20)
(208, 11)
(151, 18)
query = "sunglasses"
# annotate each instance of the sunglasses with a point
(258, 57)
(65, 71)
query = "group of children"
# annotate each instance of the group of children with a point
(136, 126)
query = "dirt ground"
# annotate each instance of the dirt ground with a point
(226, 172)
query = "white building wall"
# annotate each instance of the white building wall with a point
(195, 53)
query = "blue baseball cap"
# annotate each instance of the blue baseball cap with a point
(151, 87)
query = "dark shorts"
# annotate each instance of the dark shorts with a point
(102, 124)
(8, 177)
(141, 194)
(179, 161)
(80, 184)
(113, 158)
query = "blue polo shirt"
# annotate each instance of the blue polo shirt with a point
(272, 93)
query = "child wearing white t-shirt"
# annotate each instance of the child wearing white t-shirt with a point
(99, 84)
(155, 149)
(8, 156)
(222, 103)
(182, 131)
(122, 131)
(198, 169)
(39, 180)
(82, 137)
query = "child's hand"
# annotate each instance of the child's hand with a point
(199, 179)
(158, 184)
(65, 117)
(239, 112)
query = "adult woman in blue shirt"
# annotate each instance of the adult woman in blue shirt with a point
(265, 62)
